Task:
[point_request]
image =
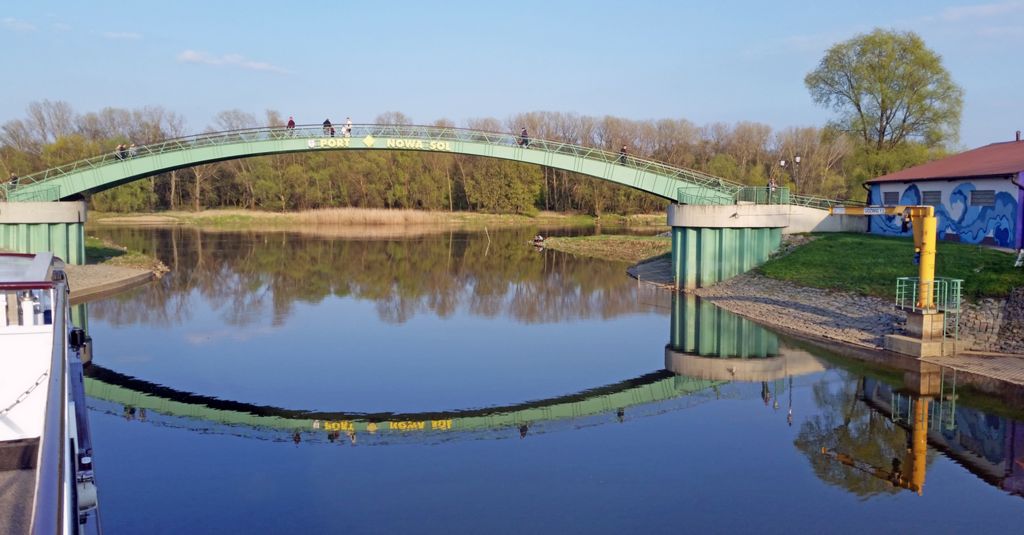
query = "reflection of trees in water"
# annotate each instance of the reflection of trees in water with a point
(846, 424)
(246, 274)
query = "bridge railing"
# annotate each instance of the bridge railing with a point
(40, 193)
(763, 195)
(431, 133)
(822, 203)
(756, 195)
(701, 188)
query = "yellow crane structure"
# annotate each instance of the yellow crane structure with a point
(922, 220)
(926, 319)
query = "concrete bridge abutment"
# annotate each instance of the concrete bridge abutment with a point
(32, 227)
(712, 243)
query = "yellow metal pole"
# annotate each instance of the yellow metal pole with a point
(926, 270)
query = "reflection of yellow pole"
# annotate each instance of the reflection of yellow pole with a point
(919, 444)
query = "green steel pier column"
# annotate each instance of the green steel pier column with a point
(33, 227)
(712, 243)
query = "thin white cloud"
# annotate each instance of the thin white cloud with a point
(125, 36)
(228, 60)
(62, 27)
(17, 25)
(981, 11)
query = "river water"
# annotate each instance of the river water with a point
(280, 382)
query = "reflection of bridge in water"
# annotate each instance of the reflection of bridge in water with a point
(650, 388)
(698, 376)
(708, 350)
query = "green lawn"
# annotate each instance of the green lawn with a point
(98, 251)
(869, 265)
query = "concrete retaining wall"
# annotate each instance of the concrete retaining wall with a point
(791, 219)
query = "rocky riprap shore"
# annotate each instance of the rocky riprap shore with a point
(857, 320)
(1007, 321)
(992, 325)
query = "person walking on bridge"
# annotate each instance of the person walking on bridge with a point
(13, 182)
(291, 123)
(524, 138)
(348, 127)
(772, 184)
(328, 128)
(623, 154)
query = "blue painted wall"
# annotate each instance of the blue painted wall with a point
(957, 219)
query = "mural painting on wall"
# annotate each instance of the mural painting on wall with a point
(957, 219)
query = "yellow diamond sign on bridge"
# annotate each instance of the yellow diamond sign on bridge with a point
(368, 140)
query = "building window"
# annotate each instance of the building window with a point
(984, 197)
(891, 198)
(933, 198)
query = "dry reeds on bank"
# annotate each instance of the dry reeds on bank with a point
(369, 217)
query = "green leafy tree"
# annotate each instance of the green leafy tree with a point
(888, 88)
(725, 166)
(869, 162)
(135, 196)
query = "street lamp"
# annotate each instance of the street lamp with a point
(794, 166)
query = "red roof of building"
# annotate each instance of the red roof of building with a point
(997, 159)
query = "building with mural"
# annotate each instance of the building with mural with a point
(978, 195)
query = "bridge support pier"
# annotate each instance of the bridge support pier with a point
(32, 227)
(713, 243)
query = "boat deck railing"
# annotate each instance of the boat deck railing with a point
(54, 496)
(55, 489)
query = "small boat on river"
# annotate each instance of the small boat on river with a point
(46, 472)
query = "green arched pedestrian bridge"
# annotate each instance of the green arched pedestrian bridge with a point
(708, 246)
(113, 169)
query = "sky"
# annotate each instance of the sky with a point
(713, 61)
